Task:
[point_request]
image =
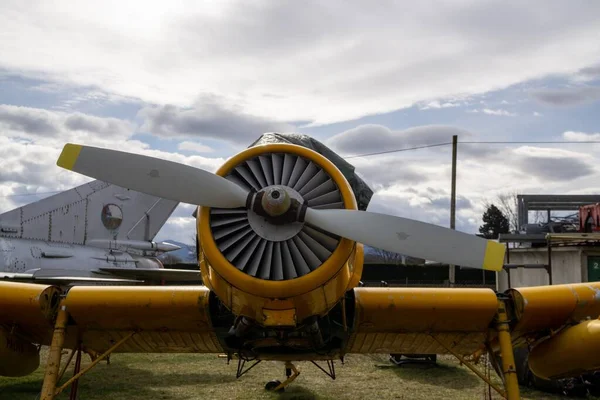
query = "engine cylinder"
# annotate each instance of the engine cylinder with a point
(278, 274)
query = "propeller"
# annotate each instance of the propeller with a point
(187, 184)
(161, 178)
(406, 236)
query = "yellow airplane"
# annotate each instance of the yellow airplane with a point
(281, 255)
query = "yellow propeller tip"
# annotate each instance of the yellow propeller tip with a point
(494, 256)
(69, 155)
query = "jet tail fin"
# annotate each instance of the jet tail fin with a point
(92, 211)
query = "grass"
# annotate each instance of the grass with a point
(201, 376)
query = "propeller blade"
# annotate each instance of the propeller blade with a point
(153, 176)
(409, 237)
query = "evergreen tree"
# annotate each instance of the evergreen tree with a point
(494, 223)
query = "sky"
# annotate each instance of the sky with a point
(195, 82)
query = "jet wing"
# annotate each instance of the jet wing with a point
(59, 279)
(156, 274)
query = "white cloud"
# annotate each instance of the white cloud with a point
(417, 185)
(537, 114)
(209, 118)
(297, 61)
(31, 140)
(436, 104)
(374, 138)
(497, 112)
(581, 136)
(37, 123)
(569, 96)
(587, 74)
(195, 147)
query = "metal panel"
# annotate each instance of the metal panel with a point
(78, 214)
(37, 227)
(67, 223)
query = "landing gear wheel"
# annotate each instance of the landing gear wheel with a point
(271, 385)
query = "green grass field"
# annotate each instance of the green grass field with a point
(197, 376)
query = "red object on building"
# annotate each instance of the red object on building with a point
(589, 218)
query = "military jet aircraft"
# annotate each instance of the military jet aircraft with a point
(96, 232)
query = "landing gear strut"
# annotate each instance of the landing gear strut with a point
(277, 386)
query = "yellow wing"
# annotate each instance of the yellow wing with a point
(165, 319)
(559, 323)
(405, 320)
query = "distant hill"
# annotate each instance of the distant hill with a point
(185, 255)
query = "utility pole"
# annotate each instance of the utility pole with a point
(452, 271)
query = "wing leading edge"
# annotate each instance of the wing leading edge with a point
(404, 320)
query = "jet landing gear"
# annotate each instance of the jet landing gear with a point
(277, 386)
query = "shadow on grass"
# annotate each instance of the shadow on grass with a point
(105, 380)
(447, 376)
(295, 392)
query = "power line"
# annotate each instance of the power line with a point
(398, 150)
(473, 142)
(534, 142)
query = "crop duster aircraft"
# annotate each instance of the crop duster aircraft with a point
(281, 255)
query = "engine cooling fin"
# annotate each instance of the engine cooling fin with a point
(270, 252)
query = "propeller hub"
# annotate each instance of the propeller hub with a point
(275, 201)
(280, 227)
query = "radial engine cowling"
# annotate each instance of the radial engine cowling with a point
(279, 274)
(18, 357)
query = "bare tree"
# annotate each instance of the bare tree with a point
(508, 204)
(539, 217)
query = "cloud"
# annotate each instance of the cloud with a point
(211, 120)
(195, 147)
(181, 229)
(561, 169)
(40, 123)
(497, 112)
(436, 104)
(375, 138)
(103, 126)
(588, 73)
(523, 169)
(298, 61)
(581, 136)
(553, 164)
(567, 97)
(383, 172)
(28, 152)
(28, 120)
